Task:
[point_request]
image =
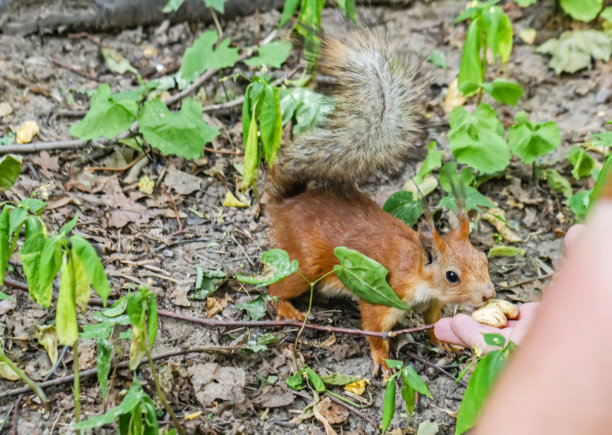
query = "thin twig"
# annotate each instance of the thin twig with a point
(525, 281)
(122, 365)
(228, 152)
(122, 169)
(436, 367)
(74, 69)
(44, 146)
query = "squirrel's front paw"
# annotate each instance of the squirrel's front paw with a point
(285, 310)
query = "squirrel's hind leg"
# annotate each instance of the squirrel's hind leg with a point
(289, 288)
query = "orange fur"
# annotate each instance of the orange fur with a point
(310, 225)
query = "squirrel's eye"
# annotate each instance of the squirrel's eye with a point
(452, 277)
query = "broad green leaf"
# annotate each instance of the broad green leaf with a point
(201, 57)
(256, 308)
(131, 400)
(30, 255)
(296, 382)
(339, 379)
(504, 91)
(530, 141)
(92, 265)
(404, 206)
(478, 388)
(251, 155)
(172, 5)
(394, 364)
(66, 316)
(16, 220)
(288, 10)
(366, 278)
(106, 117)
(438, 58)
(152, 319)
(432, 161)
(136, 308)
(10, 168)
(583, 10)
(495, 340)
(207, 281)
(218, 5)
(103, 364)
(277, 267)
(270, 124)
(309, 109)
(407, 393)
(33, 205)
(477, 139)
(606, 14)
(315, 379)
(579, 203)
(4, 241)
(348, 7)
(388, 405)
(582, 163)
(470, 70)
(602, 139)
(499, 32)
(49, 264)
(574, 49)
(183, 134)
(68, 226)
(117, 309)
(272, 54)
(505, 251)
(412, 378)
(100, 330)
(80, 281)
(605, 176)
(559, 183)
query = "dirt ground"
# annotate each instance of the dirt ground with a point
(141, 240)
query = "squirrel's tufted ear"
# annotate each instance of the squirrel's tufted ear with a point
(431, 242)
(463, 222)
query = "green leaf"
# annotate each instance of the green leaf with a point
(218, 5)
(183, 134)
(574, 49)
(525, 3)
(33, 205)
(605, 175)
(583, 10)
(201, 57)
(80, 281)
(66, 316)
(256, 308)
(296, 381)
(309, 109)
(579, 203)
(432, 161)
(348, 7)
(477, 139)
(136, 308)
(412, 378)
(270, 124)
(68, 226)
(30, 255)
(394, 364)
(131, 400)
(172, 5)
(117, 309)
(251, 155)
(16, 220)
(4, 241)
(8, 138)
(5, 297)
(50, 263)
(103, 364)
(288, 10)
(207, 281)
(559, 183)
(315, 379)
(388, 405)
(499, 32)
(504, 91)
(152, 319)
(606, 14)
(366, 278)
(530, 141)
(478, 388)
(438, 58)
(495, 340)
(10, 168)
(471, 74)
(404, 206)
(505, 251)
(107, 115)
(408, 395)
(339, 379)
(97, 331)
(273, 54)
(582, 163)
(277, 267)
(92, 265)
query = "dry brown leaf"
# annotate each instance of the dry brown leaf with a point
(318, 414)
(453, 98)
(47, 164)
(214, 305)
(506, 232)
(26, 132)
(182, 182)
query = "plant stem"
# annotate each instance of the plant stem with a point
(160, 393)
(24, 377)
(77, 386)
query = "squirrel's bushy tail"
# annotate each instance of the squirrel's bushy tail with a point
(373, 125)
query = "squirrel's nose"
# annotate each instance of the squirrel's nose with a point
(489, 291)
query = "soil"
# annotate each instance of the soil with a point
(161, 239)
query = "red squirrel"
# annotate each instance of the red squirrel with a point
(316, 205)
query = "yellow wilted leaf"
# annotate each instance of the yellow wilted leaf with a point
(47, 337)
(193, 415)
(528, 35)
(7, 373)
(357, 387)
(453, 98)
(146, 185)
(27, 131)
(232, 201)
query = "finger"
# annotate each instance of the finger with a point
(470, 332)
(444, 332)
(573, 233)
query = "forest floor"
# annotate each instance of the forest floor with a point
(162, 239)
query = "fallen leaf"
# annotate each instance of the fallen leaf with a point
(357, 387)
(528, 35)
(47, 338)
(213, 382)
(146, 185)
(7, 373)
(26, 132)
(116, 62)
(453, 98)
(505, 251)
(272, 396)
(48, 165)
(178, 296)
(193, 415)
(232, 201)
(182, 182)
(319, 415)
(5, 109)
(427, 428)
(214, 305)
(574, 49)
(207, 281)
(506, 232)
